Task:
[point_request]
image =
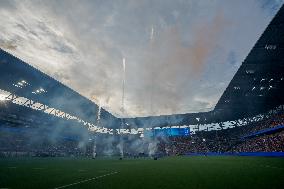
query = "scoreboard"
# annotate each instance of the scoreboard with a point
(167, 132)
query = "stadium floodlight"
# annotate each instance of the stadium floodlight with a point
(2, 97)
(16, 85)
(39, 91)
(20, 84)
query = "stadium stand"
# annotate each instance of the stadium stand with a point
(263, 136)
(34, 107)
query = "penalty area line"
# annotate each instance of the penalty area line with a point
(87, 180)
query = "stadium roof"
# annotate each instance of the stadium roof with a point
(24, 80)
(257, 87)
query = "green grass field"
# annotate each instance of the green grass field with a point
(174, 172)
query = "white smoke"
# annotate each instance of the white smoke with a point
(120, 147)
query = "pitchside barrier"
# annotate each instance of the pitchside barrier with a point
(267, 131)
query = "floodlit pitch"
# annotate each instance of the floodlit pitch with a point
(175, 172)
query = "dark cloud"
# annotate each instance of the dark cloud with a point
(10, 45)
(7, 4)
(232, 58)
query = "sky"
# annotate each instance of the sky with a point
(179, 56)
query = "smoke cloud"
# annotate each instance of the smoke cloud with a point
(178, 53)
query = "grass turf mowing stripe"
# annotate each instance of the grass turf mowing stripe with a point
(87, 180)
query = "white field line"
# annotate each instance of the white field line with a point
(38, 168)
(268, 166)
(87, 180)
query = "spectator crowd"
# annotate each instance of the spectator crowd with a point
(230, 140)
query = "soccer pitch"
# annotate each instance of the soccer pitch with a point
(173, 172)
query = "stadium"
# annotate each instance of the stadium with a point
(52, 136)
